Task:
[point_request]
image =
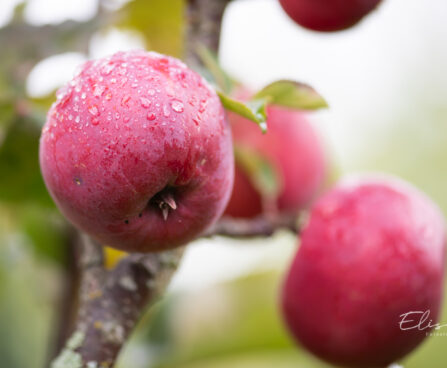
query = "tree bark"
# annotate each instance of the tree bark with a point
(203, 27)
(112, 302)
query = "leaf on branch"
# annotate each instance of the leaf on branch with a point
(253, 110)
(217, 73)
(291, 94)
(261, 172)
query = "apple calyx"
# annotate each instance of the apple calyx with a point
(166, 203)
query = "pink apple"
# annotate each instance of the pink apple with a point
(328, 15)
(294, 150)
(373, 251)
(136, 152)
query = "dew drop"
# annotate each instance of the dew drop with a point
(108, 96)
(126, 119)
(93, 110)
(95, 121)
(107, 69)
(151, 116)
(77, 119)
(70, 117)
(145, 102)
(117, 116)
(84, 95)
(64, 95)
(151, 92)
(125, 101)
(98, 90)
(177, 106)
(166, 111)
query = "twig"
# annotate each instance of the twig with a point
(258, 226)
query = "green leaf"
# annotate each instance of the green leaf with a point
(291, 94)
(253, 110)
(161, 23)
(19, 165)
(219, 76)
(262, 173)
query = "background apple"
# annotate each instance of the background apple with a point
(374, 249)
(137, 152)
(328, 15)
(294, 151)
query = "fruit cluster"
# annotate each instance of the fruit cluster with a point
(137, 152)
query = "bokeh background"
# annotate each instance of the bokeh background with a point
(386, 83)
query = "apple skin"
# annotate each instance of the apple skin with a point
(328, 15)
(128, 132)
(294, 149)
(374, 249)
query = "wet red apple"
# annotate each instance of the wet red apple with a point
(137, 152)
(372, 252)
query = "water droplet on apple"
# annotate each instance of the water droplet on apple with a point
(177, 106)
(93, 110)
(125, 101)
(107, 69)
(166, 111)
(151, 116)
(145, 102)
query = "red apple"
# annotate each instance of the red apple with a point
(328, 15)
(372, 252)
(294, 150)
(136, 152)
